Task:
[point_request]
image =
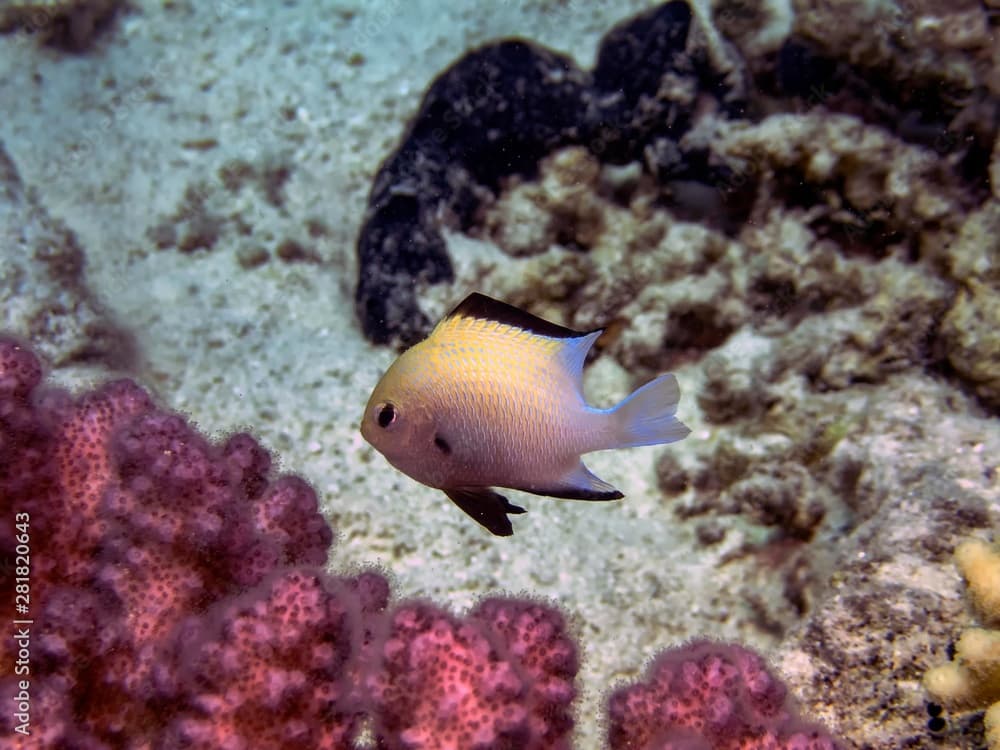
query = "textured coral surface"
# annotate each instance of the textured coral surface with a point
(710, 695)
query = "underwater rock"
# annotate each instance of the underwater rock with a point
(850, 59)
(671, 291)
(561, 208)
(945, 43)
(733, 389)
(969, 331)
(898, 158)
(868, 188)
(43, 287)
(68, 24)
(496, 112)
(971, 334)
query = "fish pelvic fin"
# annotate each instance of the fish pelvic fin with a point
(487, 508)
(647, 417)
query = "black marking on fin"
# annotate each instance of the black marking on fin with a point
(575, 493)
(480, 306)
(577, 483)
(487, 508)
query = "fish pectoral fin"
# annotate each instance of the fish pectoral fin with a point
(578, 484)
(486, 507)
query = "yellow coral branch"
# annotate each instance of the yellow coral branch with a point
(972, 680)
(979, 564)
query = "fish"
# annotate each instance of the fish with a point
(493, 397)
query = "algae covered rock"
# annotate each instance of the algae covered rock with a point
(970, 332)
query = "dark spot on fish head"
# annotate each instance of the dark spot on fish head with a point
(442, 445)
(386, 414)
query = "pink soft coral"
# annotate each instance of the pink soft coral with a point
(178, 601)
(709, 695)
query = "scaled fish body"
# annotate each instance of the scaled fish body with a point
(493, 398)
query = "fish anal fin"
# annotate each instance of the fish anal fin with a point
(577, 484)
(487, 508)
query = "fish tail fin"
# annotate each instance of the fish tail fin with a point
(647, 416)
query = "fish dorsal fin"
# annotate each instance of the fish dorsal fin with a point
(574, 354)
(572, 346)
(480, 306)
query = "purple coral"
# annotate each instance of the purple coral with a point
(282, 651)
(710, 696)
(501, 677)
(142, 532)
(177, 602)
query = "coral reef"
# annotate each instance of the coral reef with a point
(972, 680)
(712, 695)
(818, 265)
(137, 525)
(495, 113)
(837, 313)
(792, 331)
(176, 600)
(813, 248)
(443, 683)
(979, 564)
(695, 160)
(282, 651)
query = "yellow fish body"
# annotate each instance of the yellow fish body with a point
(494, 398)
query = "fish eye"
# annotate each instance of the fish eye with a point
(385, 415)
